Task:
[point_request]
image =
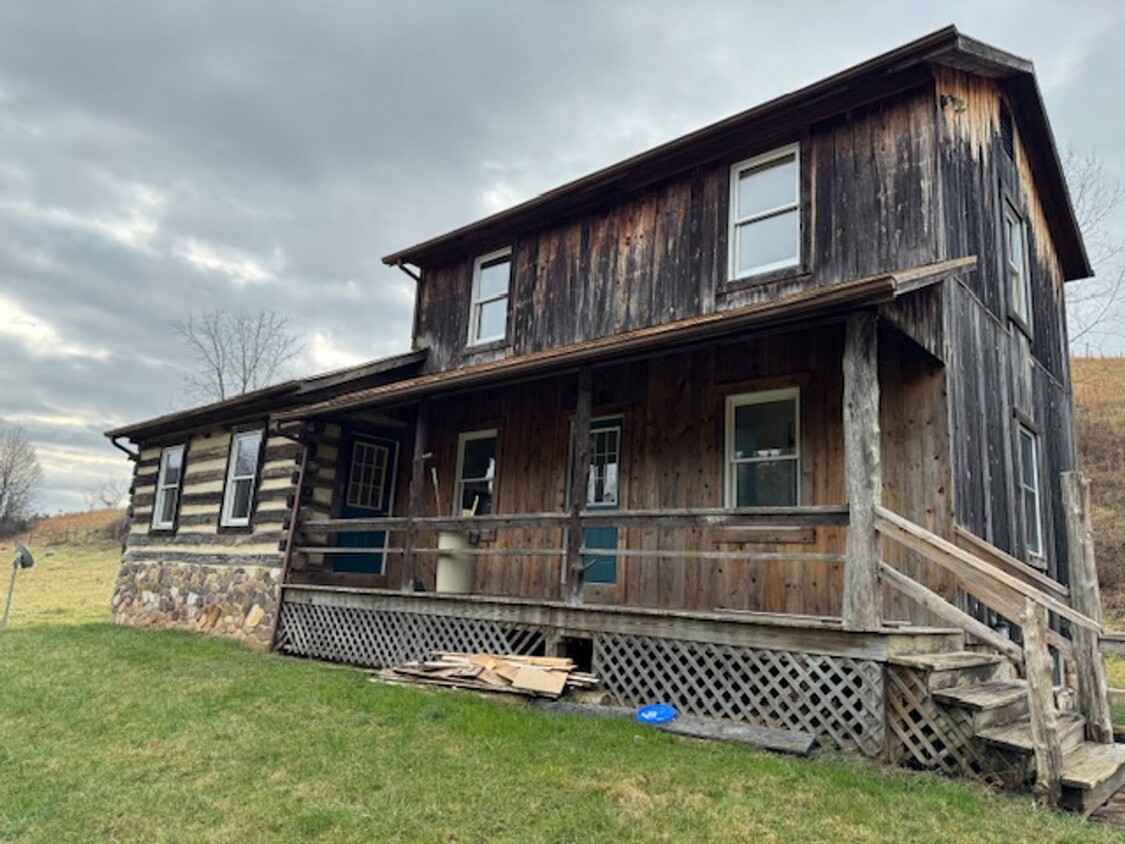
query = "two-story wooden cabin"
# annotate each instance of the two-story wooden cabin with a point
(769, 422)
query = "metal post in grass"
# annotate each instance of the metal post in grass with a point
(23, 560)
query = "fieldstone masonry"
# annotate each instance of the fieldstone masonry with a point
(239, 602)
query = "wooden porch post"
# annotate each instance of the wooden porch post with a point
(1041, 703)
(414, 506)
(862, 609)
(579, 478)
(1093, 701)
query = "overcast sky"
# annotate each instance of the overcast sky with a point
(159, 159)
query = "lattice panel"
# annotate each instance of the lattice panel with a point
(925, 734)
(379, 638)
(838, 699)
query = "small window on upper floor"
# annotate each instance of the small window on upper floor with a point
(765, 213)
(167, 504)
(1015, 265)
(488, 316)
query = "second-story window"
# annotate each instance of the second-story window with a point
(1029, 492)
(765, 213)
(1015, 265)
(488, 318)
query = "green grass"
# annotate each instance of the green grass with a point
(121, 735)
(114, 734)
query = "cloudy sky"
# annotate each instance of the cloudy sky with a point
(159, 159)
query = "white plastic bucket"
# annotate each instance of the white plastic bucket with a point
(454, 567)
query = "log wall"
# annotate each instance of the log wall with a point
(199, 575)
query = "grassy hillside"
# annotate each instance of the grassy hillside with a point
(76, 562)
(1099, 388)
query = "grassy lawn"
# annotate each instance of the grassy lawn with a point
(114, 734)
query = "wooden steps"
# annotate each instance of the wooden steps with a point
(955, 668)
(978, 686)
(1091, 774)
(1017, 735)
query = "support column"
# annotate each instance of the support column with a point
(862, 605)
(1041, 704)
(414, 506)
(579, 479)
(1085, 597)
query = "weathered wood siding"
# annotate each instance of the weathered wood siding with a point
(868, 188)
(673, 407)
(998, 374)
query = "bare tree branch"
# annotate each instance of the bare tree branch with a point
(1094, 306)
(21, 477)
(236, 353)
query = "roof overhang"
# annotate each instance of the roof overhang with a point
(267, 400)
(899, 70)
(829, 300)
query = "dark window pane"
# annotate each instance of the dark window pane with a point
(168, 506)
(765, 429)
(240, 506)
(766, 484)
(480, 458)
(246, 460)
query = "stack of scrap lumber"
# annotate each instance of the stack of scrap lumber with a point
(535, 676)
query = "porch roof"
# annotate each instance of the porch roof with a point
(828, 300)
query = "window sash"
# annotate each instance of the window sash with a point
(740, 222)
(733, 462)
(1015, 262)
(483, 486)
(1029, 492)
(166, 504)
(238, 499)
(479, 302)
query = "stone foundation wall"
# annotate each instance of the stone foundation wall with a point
(239, 602)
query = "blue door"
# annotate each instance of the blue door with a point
(371, 478)
(603, 493)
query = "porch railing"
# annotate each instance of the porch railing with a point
(1027, 599)
(753, 525)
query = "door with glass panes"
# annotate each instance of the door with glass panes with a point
(367, 494)
(603, 490)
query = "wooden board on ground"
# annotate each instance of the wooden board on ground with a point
(524, 675)
(540, 680)
(783, 741)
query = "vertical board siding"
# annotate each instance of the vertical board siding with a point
(660, 253)
(1002, 375)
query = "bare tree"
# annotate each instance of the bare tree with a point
(107, 495)
(1094, 306)
(21, 477)
(236, 352)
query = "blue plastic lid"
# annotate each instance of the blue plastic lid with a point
(656, 713)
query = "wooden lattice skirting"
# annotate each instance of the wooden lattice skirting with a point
(838, 699)
(378, 638)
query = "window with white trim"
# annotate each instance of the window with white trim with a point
(763, 449)
(242, 473)
(488, 316)
(1029, 492)
(765, 213)
(476, 473)
(1015, 264)
(167, 501)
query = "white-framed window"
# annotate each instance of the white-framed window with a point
(167, 501)
(492, 278)
(476, 473)
(763, 454)
(765, 213)
(242, 472)
(1029, 492)
(1015, 264)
